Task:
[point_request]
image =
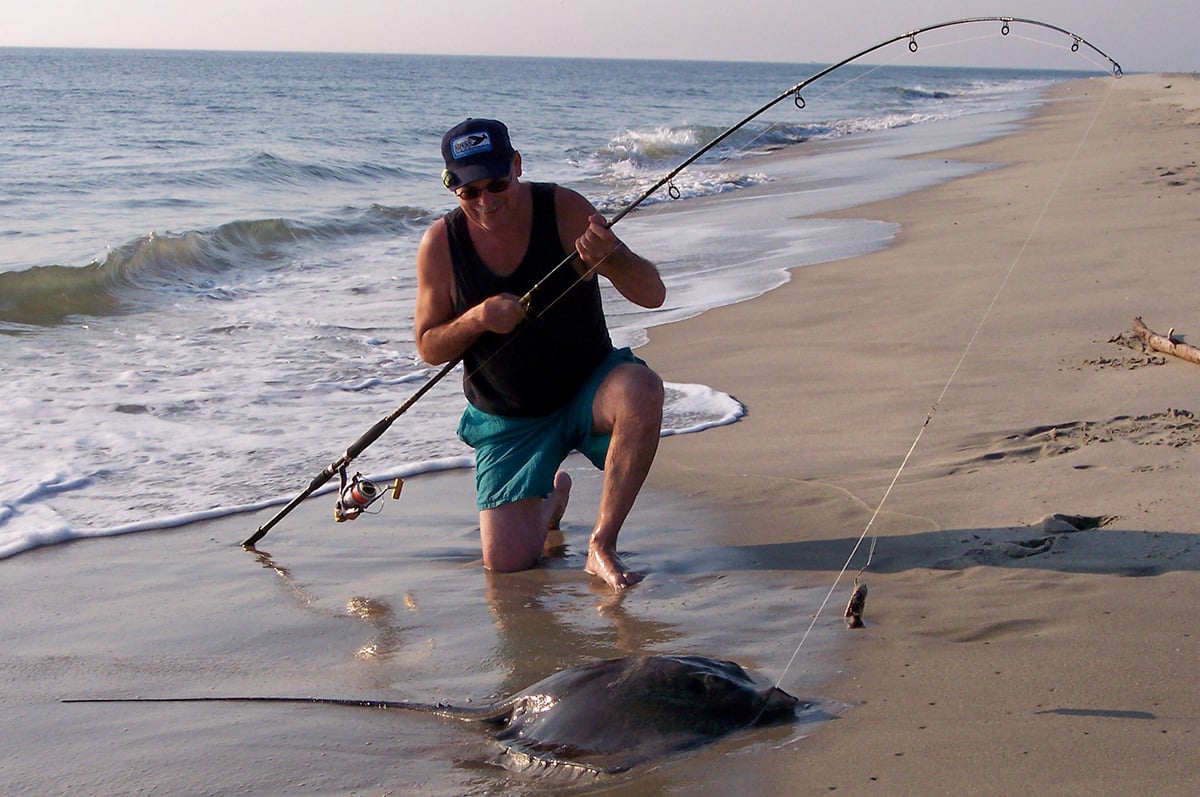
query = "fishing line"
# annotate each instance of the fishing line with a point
(1017, 258)
(1075, 48)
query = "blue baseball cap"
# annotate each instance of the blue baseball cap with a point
(474, 150)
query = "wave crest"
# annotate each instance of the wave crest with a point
(171, 263)
(271, 168)
(635, 150)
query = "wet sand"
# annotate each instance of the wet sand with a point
(999, 655)
(391, 606)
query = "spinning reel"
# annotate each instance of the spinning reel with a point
(357, 494)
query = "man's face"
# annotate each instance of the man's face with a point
(487, 201)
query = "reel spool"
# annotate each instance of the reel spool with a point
(356, 496)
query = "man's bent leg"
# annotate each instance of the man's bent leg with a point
(514, 535)
(628, 406)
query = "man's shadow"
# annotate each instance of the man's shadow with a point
(1063, 543)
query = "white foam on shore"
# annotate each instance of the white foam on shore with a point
(28, 519)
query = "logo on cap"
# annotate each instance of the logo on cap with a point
(471, 144)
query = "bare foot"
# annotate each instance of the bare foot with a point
(604, 563)
(557, 500)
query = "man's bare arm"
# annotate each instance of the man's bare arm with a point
(440, 334)
(601, 250)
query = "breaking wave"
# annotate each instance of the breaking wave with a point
(171, 263)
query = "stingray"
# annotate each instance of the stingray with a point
(606, 716)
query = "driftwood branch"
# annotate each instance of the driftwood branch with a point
(1166, 343)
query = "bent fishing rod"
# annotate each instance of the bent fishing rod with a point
(357, 494)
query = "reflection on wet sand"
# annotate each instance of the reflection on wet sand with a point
(536, 638)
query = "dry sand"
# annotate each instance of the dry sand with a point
(999, 656)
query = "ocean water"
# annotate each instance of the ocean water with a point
(206, 259)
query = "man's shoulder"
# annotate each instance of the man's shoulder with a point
(436, 230)
(546, 190)
(560, 191)
(571, 204)
(435, 241)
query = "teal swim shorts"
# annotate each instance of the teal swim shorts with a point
(516, 458)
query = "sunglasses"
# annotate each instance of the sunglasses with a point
(472, 192)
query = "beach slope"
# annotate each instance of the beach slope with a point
(1001, 654)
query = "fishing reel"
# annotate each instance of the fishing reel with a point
(356, 495)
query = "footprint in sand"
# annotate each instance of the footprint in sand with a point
(1176, 428)
(1175, 176)
(1005, 545)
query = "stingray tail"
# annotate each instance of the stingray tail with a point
(453, 712)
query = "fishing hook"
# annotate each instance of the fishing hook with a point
(381, 426)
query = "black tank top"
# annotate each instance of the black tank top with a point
(537, 368)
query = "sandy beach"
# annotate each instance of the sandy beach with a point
(997, 658)
(1001, 654)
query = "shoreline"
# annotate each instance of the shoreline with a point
(819, 176)
(985, 667)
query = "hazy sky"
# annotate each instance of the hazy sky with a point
(1143, 35)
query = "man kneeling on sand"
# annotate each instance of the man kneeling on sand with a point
(540, 382)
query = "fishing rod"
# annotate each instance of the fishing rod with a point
(357, 494)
